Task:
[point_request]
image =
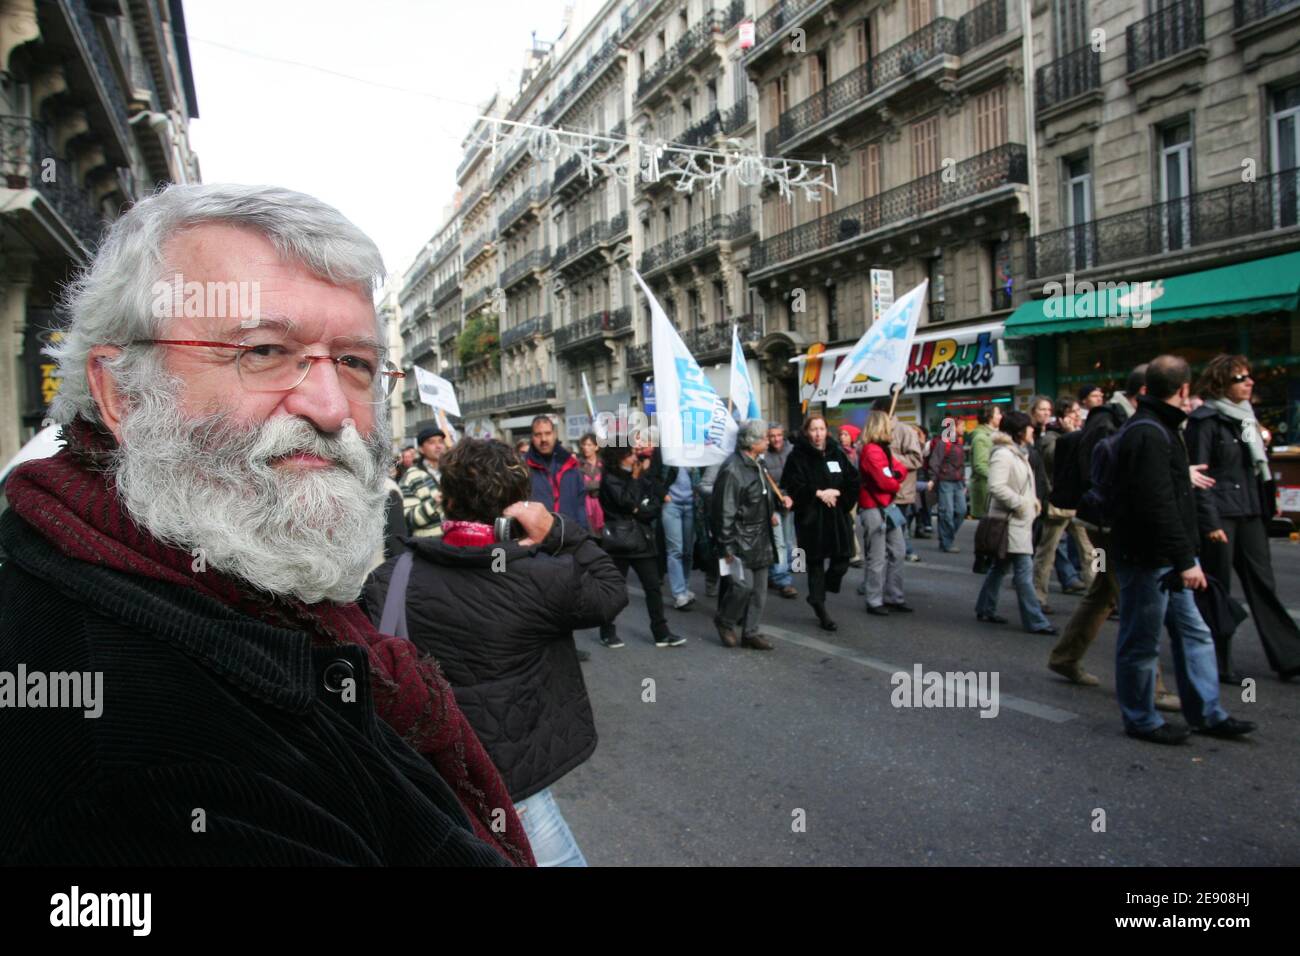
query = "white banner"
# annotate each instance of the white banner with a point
(744, 397)
(883, 349)
(436, 391)
(695, 428)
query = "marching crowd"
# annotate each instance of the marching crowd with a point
(348, 659)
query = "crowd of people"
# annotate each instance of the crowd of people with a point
(345, 658)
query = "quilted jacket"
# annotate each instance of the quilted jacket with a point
(499, 621)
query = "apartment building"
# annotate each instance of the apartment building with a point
(1168, 144)
(921, 107)
(94, 114)
(429, 320)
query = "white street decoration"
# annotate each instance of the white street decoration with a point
(744, 397)
(883, 350)
(695, 427)
(436, 391)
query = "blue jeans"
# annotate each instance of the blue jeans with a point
(550, 836)
(1143, 609)
(1067, 571)
(780, 574)
(919, 510)
(679, 533)
(952, 511)
(1022, 565)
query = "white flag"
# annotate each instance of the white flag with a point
(597, 426)
(695, 428)
(884, 348)
(436, 391)
(744, 397)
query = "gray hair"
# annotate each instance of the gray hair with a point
(110, 302)
(752, 431)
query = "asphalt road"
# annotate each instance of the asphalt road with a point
(797, 756)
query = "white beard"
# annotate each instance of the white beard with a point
(207, 485)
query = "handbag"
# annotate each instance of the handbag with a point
(624, 537)
(991, 537)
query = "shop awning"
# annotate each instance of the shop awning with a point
(1247, 288)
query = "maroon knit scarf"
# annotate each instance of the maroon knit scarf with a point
(72, 501)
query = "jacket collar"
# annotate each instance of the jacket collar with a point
(1169, 415)
(561, 458)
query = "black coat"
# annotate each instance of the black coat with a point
(1237, 493)
(203, 708)
(633, 501)
(743, 505)
(822, 532)
(1155, 518)
(500, 625)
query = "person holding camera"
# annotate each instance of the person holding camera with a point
(632, 497)
(498, 617)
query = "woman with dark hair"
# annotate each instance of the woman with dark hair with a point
(632, 498)
(981, 447)
(591, 468)
(498, 617)
(1013, 497)
(1233, 516)
(823, 483)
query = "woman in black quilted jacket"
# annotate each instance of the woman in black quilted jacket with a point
(499, 617)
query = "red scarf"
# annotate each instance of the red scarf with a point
(468, 534)
(72, 501)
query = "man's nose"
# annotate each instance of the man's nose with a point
(320, 398)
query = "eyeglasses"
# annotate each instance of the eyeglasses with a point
(274, 365)
(1238, 379)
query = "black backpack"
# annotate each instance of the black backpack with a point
(1067, 478)
(1100, 503)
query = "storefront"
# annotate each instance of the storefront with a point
(951, 372)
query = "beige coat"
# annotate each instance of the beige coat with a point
(906, 447)
(1012, 494)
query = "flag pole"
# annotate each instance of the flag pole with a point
(896, 389)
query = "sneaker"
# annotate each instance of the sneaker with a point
(914, 557)
(684, 601)
(1164, 734)
(670, 640)
(1229, 727)
(1170, 703)
(757, 642)
(612, 641)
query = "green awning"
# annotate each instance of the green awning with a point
(1247, 288)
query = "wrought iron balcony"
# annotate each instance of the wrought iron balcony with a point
(589, 239)
(711, 341)
(106, 77)
(735, 117)
(639, 357)
(530, 197)
(734, 14)
(1178, 27)
(687, 45)
(486, 403)
(472, 199)
(453, 373)
(421, 348)
(984, 173)
(781, 19)
(24, 144)
(478, 246)
(1072, 75)
(1229, 212)
(444, 291)
(597, 62)
(1252, 11)
(476, 299)
(704, 130)
(593, 328)
(448, 332)
(634, 11)
(539, 325)
(538, 259)
(528, 395)
(702, 235)
(983, 23)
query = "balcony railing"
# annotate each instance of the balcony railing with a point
(1072, 75)
(598, 61)
(687, 44)
(594, 326)
(540, 325)
(594, 235)
(735, 117)
(981, 24)
(444, 291)
(528, 395)
(1178, 27)
(475, 299)
(1229, 212)
(476, 247)
(704, 130)
(782, 16)
(527, 199)
(106, 76)
(990, 170)
(24, 144)
(537, 259)
(421, 348)
(733, 14)
(699, 236)
(706, 342)
(1252, 11)
(475, 195)
(448, 332)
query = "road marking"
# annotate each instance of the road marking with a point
(1009, 701)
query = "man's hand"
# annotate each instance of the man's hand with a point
(535, 519)
(1218, 535)
(1200, 480)
(1194, 578)
(776, 521)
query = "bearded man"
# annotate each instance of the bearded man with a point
(198, 545)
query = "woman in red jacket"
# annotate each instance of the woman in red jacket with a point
(880, 521)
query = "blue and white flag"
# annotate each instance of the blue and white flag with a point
(744, 397)
(695, 428)
(884, 348)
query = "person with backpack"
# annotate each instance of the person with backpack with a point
(947, 464)
(1141, 489)
(1057, 521)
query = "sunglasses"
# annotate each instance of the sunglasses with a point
(1238, 379)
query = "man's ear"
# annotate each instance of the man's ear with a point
(103, 387)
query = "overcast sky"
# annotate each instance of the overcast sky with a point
(386, 158)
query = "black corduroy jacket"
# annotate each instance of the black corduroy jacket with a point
(219, 741)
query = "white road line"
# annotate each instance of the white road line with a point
(1024, 706)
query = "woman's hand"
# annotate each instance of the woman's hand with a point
(829, 496)
(1218, 535)
(534, 518)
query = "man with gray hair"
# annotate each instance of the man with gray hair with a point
(745, 510)
(201, 542)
